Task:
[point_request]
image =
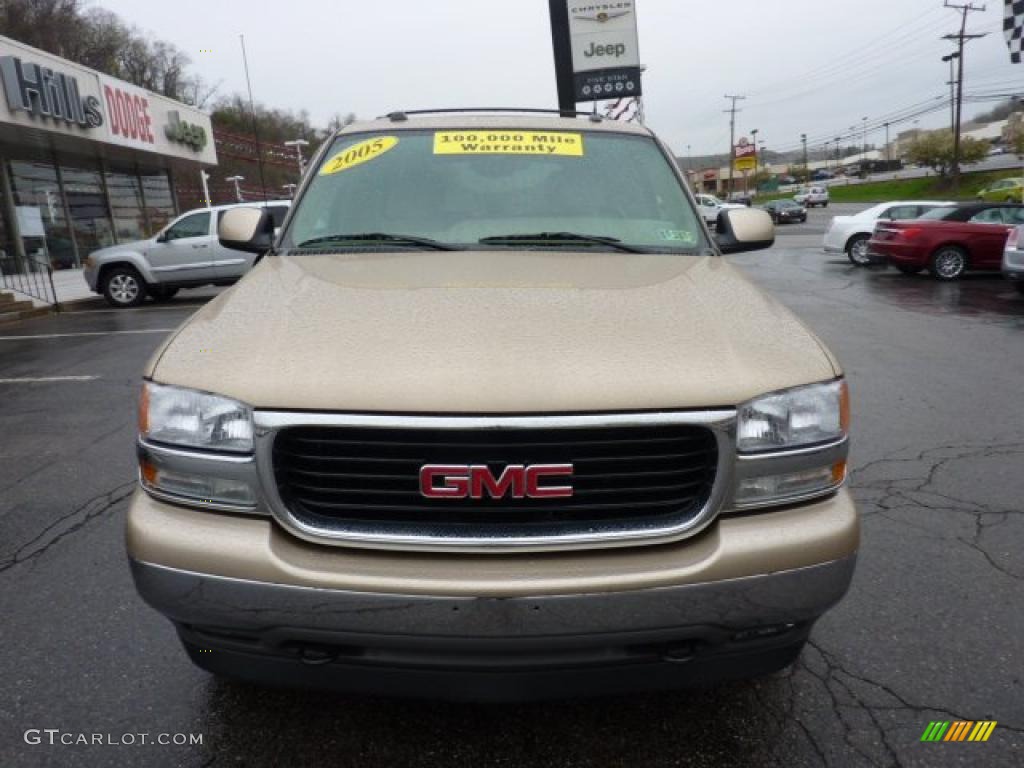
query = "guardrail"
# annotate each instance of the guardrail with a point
(30, 276)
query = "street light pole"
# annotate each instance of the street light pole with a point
(807, 173)
(887, 158)
(204, 177)
(865, 123)
(298, 144)
(238, 189)
(952, 84)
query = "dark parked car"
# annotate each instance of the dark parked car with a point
(785, 211)
(948, 240)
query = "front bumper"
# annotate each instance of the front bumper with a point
(91, 275)
(250, 600)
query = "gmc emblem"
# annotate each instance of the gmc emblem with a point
(460, 481)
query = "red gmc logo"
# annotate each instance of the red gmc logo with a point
(460, 481)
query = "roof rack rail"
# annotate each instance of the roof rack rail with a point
(402, 115)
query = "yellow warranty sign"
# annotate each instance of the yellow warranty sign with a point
(357, 154)
(498, 142)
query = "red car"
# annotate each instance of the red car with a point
(948, 240)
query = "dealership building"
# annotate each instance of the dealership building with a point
(86, 160)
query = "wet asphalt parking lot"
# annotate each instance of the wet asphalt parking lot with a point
(931, 629)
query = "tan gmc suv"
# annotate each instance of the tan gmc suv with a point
(493, 418)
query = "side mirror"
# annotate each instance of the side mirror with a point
(745, 229)
(162, 237)
(246, 229)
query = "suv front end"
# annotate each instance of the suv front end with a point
(493, 471)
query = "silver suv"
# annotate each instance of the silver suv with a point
(184, 254)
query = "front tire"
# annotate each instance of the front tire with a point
(857, 250)
(123, 287)
(949, 263)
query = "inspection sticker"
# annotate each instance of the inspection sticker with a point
(357, 154)
(508, 143)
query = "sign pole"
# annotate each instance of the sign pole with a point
(562, 44)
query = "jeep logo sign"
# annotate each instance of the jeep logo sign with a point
(184, 133)
(605, 51)
(475, 481)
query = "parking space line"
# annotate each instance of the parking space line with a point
(183, 308)
(47, 379)
(84, 333)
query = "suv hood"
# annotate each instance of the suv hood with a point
(490, 332)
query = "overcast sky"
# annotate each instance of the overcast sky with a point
(806, 66)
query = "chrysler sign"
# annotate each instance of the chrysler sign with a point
(605, 51)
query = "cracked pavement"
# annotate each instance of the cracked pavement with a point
(931, 628)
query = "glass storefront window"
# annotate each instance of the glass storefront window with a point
(90, 220)
(156, 189)
(126, 205)
(40, 210)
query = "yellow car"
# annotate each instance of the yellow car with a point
(1005, 190)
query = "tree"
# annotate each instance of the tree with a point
(935, 150)
(1017, 141)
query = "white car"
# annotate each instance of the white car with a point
(710, 206)
(809, 197)
(850, 234)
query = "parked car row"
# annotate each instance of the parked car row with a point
(948, 239)
(850, 234)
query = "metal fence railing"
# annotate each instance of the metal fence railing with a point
(30, 276)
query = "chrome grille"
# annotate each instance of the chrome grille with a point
(355, 479)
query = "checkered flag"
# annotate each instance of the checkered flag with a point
(1013, 28)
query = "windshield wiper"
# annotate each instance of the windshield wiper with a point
(380, 237)
(565, 237)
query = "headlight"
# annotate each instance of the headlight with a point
(791, 445)
(191, 419)
(794, 418)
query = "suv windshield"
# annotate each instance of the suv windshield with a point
(507, 188)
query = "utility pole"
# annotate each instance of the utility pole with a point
(952, 93)
(732, 133)
(838, 155)
(887, 153)
(962, 38)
